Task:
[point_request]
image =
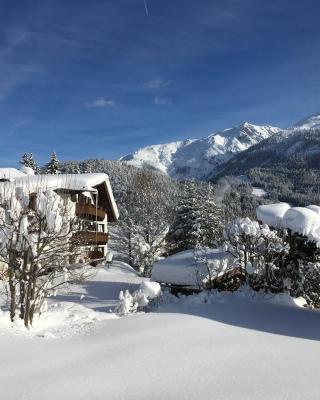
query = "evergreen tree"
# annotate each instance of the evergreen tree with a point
(53, 166)
(27, 160)
(209, 217)
(73, 168)
(198, 220)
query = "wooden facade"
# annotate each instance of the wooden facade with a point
(90, 212)
(91, 238)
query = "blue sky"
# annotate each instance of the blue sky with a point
(91, 78)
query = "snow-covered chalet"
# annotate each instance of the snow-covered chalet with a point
(94, 203)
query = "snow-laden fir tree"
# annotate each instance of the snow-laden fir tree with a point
(27, 160)
(197, 221)
(209, 219)
(71, 167)
(53, 166)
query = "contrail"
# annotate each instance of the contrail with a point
(146, 7)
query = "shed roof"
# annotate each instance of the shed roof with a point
(181, 268)
(10, 173)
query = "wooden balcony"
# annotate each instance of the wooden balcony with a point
(90, 212)
(91, 238)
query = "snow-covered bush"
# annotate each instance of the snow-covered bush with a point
(260, 251)
(275, 260)
(310, 282)
(139, 299)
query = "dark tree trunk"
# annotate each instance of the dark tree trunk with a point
(29, 291)
(130, 247)
(12, 288)
(23, 286)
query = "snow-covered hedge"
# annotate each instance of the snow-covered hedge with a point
(302, 220)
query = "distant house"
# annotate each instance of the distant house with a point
(94, 203)
(9, 174)
(183, 273)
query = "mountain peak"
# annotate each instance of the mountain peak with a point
(312, 121)
(198, 158)
(246, 124)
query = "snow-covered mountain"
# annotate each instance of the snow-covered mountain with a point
(288, 148)
(310, 122)
(198, 158)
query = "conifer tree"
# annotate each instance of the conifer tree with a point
(198, 220)
(53, 166)
(27, 160)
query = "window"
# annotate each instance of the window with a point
(74, 197)
(32, 201)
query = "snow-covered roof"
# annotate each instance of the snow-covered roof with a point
(181, 268)
(81, 182)
(10, 173)
(73, 182)
(302, 220)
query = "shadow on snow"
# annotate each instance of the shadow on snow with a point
(265, 317)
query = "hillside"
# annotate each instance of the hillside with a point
(287, 166)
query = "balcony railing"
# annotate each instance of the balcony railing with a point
(89, 211)
(89, 238)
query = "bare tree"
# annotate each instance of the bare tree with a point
(145, 219)
(36, 244)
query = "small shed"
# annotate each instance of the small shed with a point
(185, 271)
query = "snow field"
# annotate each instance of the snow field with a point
(206, 346)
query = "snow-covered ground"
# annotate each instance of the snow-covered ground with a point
(259, 192)
(196, 347)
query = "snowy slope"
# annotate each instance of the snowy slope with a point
(199, 157)
(302, 141)
(312, 121)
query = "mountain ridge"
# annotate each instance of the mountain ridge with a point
(203, 158)
(196, 158)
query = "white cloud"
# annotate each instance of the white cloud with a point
(158, 83)
(102, 102)
(162, 101)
